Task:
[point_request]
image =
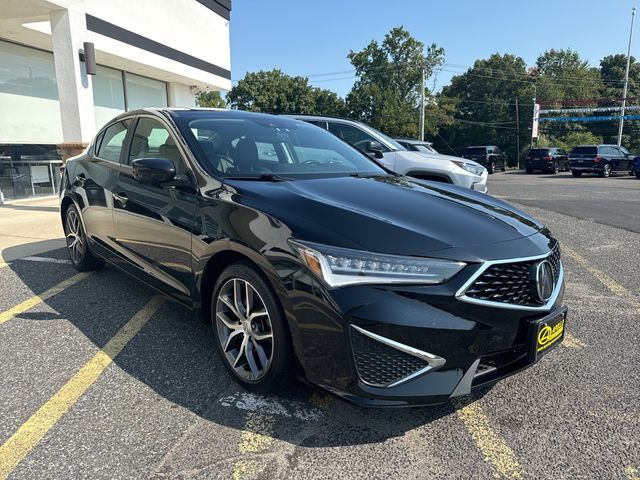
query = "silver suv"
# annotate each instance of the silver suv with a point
(395, 157)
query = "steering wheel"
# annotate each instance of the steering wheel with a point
(312, 162)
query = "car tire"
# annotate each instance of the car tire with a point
(491, 168)
(256, 349)
(80, 254)
(555, 169)
(638, 175)
(606, 171)
(528, 171)
(504, 167)
(576, 173)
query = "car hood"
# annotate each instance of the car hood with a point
(387, 214)
(451, 158)
(434, 163)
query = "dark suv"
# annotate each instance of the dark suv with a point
(489, 156)
(549, 159)
(603, 160)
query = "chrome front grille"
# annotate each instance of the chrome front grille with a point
(511, 282)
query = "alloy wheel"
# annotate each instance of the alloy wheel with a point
(75, 237)
(607, 170)
(244, 329)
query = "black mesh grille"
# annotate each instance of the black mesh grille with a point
(378, 364)
(511, 282)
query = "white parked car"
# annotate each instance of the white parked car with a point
(395, 157)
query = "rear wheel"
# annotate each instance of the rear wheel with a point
(554, 168)
(250, 329)
(529, 171)
(77, 246)
(637, 174)
(576, 173)
(491, 168)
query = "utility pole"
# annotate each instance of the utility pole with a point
(517, 134)
(626, 79)
(422, 104)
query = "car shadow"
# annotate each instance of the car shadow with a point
(175, 356)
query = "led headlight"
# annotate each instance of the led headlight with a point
(341, 266)
(470, 167)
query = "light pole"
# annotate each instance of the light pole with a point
(626, 79)
(421, 136)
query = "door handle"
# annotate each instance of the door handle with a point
(120, 198)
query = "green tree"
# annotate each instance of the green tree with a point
(387, 92)
(211, 99)
(276, 92)
(482, 101)
(563, 75)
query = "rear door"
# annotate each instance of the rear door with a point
(153, 223)
(624, 163)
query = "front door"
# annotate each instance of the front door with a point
(154, 222)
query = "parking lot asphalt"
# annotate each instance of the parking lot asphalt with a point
(104, 379)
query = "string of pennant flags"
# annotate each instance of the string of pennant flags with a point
(537, 112)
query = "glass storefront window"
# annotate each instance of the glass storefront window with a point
(145, 92)
(27, 170)
(29, 105)
(108, 94)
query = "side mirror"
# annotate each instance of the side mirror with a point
(376, 149)
(157, 171)
(153, 170)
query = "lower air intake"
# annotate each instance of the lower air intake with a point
(381, 365)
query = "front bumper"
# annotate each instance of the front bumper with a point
(356, 341)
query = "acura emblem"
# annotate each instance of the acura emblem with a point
(544, 281)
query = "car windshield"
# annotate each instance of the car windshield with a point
(235, 144)
(426, 148)
(474, 151)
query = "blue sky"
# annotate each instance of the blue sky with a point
(313, 37)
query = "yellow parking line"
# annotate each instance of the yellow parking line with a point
(255, 438)
(3, 264)
(491, 444)
(605, 279)
(33, 430)
(37, 299)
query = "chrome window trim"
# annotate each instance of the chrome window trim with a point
(460, 294)
(433, 361)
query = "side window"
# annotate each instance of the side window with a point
(112, 140)
(267, 152)
(318, 123)
(152, 139)
(352, 135)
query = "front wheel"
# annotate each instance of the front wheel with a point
(78, 249)
(529, 171)
(554, 168)
(606, 171)
(638, 175)
(250, 330)
(491, 168)
(576, 173)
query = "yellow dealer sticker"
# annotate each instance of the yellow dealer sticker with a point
(548, 335)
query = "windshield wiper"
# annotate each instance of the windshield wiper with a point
(263, 177)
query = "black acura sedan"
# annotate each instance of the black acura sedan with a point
(312, 261)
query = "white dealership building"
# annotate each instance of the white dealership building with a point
(148, 53)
